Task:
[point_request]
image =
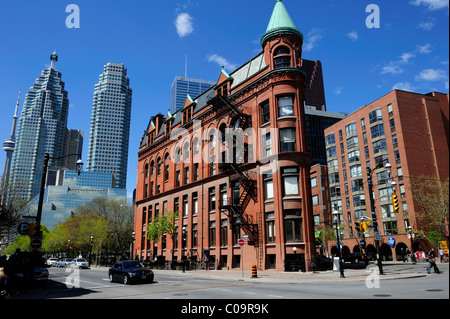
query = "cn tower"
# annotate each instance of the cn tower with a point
(9, 144)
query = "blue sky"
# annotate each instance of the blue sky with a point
(409, 50)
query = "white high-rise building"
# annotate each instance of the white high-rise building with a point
(110, 124)
(41, 129)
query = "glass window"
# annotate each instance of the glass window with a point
(282, 58)
(375, 116)
(350, 129)
(270, 227)
(293, 225)
(286, 105)
(330, 139)
(377, 130)
(290, 181)
(379, 146)
(268, 186)
(265, 113)
(287, 139)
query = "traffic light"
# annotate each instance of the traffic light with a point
(358, 226)
(364, 226)
(395, 202)
(33, 230)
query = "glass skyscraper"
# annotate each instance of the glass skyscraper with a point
(110, 124)
(42, 128)
(181, 86)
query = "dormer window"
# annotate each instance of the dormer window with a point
(282, 58)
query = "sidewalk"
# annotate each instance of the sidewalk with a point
(273, 276)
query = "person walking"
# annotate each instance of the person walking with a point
(431, 262)
(441, 254)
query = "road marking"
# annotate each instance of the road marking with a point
(274, 296)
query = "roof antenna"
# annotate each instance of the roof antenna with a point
(185, 68)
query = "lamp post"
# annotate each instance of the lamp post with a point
(79, 166)
(337, 222)
(376, 231)
(413, 258)
(183, 239)
(90, 249)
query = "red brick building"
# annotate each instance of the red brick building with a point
(234, 163)
(410, 131)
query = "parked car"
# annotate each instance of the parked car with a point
(323, 263)
(129, 271)
(51, 262)
(354, 258)
(79, 263)
(63, 262)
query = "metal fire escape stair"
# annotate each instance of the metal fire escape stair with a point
(236, 207)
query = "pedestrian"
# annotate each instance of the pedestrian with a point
(441, 254)
(431, 262)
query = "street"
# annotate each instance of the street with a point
(66, 283)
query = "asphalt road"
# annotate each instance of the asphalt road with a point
(94, 284)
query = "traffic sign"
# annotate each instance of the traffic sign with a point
(35, 243)
(377, 235)
(22, 228)
(241, 242)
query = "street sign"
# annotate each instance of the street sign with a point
(377, 235)
(23, 227)
(391, 241)
(35, 243)
(241, 242)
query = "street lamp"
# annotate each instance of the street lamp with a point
(377, 235)
(337, 222)
(413, 258)
(79, 166)
(90, 249)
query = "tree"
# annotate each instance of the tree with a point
(163, 224)
(119, 217)
(432, 196)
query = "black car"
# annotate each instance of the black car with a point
(355, 258)
(130, 271)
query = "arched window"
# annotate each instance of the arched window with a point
(146, 170)
(222, 130)
(282, 58)
(196, 146)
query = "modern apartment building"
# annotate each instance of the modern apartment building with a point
(234, 163)
(110, 124)
(41, 129)
(410, 132)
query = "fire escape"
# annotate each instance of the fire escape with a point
(236, 207)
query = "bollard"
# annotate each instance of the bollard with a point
(254, 272)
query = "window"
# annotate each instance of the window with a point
(194, 203)
(363, 123)
(353, 156)
(359, 200)
(185, 206)
(194, 235)
(330, 139)
(331, 151)
(270, 227)
(186, 175)
(375, 116)
(293, 225)
(176, 204)
(267, 145)
(290, 181)
(286, 105)
(268, 186)
(402, 191)
(377, 130)
(196, 146)
(379, 146)
(390, 228)
(392, 124)
(212, 199)
(364, 138)
(212, 233)
(389, 108)
(223, 194)
(287, 139)
(313, 182)
(223, 232)
(265, 113)
(315, 200)
(282, 58)
(397, 157)
(350, 129)
(355, 171)
(352, 142)
(394, 141)
(357, 185)
(399, 173)
(196, 172)
(385, 194)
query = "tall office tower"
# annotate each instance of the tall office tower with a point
(110, 124)
(42, 129)
(8, 146)
(181, 86)
(74, 145)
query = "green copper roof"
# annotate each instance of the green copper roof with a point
(280, 23)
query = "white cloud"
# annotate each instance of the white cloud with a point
(424, 49)
(393, 68)
(404, 86)
(432, 75)
(222, 62)
(353, 35)
(338, 91)
(431, 4)
(184, 25)
(312, 39)
(426, 25)
(404, 58)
